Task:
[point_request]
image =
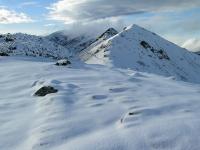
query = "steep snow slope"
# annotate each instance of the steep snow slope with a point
(107, 34)
(133, 111)
(141, 50)
(85, 53)
(24, 44)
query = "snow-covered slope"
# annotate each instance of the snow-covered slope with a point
(76, 44)
(73, 43)
(57, 45)
(134, 48)
(86, 54)
(96, 108)
(24, 44)
(141, 50)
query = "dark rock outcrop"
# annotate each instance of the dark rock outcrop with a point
(63, 62)
(43, 91)
(3, 54)
(161, 54)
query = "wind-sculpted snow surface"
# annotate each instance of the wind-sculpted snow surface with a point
(96, 108)
(142, 50)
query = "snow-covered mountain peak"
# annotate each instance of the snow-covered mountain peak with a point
(133, 30)
(134, 27)
(108, 33)
(142, 50)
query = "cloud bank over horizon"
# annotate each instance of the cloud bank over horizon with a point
(192, 44)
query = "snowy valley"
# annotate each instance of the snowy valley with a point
(128, 90)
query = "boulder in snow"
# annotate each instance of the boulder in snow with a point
(43, 91)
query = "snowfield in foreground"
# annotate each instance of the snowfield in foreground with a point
(96, 108)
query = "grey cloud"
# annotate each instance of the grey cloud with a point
(94, 28)
(71, 10)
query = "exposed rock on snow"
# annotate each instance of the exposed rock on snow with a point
(63, 62)
(145, 44)
(9, 38)
(43, 91)
(160, 53)
(3, 54)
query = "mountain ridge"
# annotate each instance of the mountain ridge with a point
(139, 49)
(134, 47)
(31, 45)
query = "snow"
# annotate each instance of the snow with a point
(137, 91)
(74, 43)
(30, 45)
(97, 107)
(85, 54)
(77, 43)
(160, 56)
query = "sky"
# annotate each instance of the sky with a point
(175, 20)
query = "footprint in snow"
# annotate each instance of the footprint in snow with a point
(97, 105)
(99, 97)
(129, 101)
(131, 118)
(73, 86)
(56, 82)
(118, 90)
